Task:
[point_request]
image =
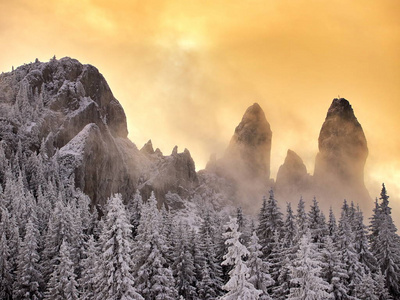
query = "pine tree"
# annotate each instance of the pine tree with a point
(6, 277)
(88, 281)
(385, 244)
(154, 279)
(29, 273)
(301, 218)
(334, 270)
(316, 223)
(209, 286)
(62, 284)
(308, 285)
(134, 209)
(282, 259)
(380, 287)
(362, 245)
(115, 280)
(346, 244)
(332, 225)
(258, 269)
(238, 286)
(183, 265)
(270, 219)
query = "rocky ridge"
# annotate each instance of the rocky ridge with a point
(67, 110)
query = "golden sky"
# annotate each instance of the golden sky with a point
(186, 70)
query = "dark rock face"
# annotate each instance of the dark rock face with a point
(249, 152)
(339, 165)
(292, 180)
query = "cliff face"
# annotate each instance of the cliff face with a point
(68, 106)
(339, 165)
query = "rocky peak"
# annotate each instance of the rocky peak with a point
(343, 151)
(292, 179)
(175, 151)
(340, 107)
(250, 147)
(147, 148)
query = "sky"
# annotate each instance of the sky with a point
(186, 70)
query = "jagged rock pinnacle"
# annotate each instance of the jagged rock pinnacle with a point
(147, 148)
(343, 151)
(292, 179)
(250, 146)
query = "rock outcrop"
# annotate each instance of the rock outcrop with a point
(249, 152)
(292, 179)
(175, 174)
(69, 106)
(246, 162)
(339, 165)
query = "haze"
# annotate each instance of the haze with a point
(185, 71)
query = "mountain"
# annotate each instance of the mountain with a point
(67, 109)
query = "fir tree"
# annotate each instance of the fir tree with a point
(6, 278)
(154, 279)
(88, 281)
(115, 280)
(238, 286)
(316, 224)
(258, 269)
(385, 244)
(134, 209)
(308, 285)
(334, 270)
(29, 273)
(332, 225)
(349, 256)
(270, 221)
(183, 265)
(62, 284)
(301, 219)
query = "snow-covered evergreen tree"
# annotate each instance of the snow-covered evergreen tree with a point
(306, 274)
(154, 279)
(238, 285)
(88, 281)
(62, 284)
(301, 219)
(332, 225)
(316, 224)
(6, 278)
(270, 221)
(334, 270)
(29, 273)
(134, 209)
(385, 244)
(258, 269)
(183, 265)
(346, 245)
(114, 277)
